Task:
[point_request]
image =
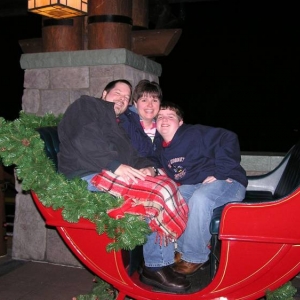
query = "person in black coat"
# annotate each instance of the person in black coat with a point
(91, 140)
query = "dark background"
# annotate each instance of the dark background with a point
(235, 66)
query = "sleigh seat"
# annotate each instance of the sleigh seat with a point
(272, 186)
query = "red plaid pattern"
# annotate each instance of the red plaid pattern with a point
(157, 198)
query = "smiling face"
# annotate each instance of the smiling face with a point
(147, 107)
(167, 123)
(120, 95)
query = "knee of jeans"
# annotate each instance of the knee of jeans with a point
(186, 191)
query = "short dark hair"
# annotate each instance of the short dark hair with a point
(145, 86)
(174, 107)
(113, 83)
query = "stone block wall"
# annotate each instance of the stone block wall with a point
(256, 164)
(52, 81)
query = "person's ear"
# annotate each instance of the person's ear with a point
(180, 122)
(104, 94)
(135, 104)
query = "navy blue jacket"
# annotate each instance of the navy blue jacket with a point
(198, 151)
(130, 121)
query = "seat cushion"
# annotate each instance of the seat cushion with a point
(215, 220)
(258, 196)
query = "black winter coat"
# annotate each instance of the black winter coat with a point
(91, 140)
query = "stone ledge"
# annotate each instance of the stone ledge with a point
(260, 164)
(89, 58)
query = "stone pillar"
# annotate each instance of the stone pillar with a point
(109, 24)
(3, 248)
(52, 81)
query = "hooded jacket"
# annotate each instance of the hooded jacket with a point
(198, 151)
(91, 140)
(130, 121)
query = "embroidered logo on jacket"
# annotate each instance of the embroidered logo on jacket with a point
(178, 169)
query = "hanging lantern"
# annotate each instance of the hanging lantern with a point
(58, 9)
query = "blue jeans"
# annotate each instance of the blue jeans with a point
(202, 199)
(88, 179)
(154, 254)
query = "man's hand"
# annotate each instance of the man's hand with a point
(209, 179)
(130, 174)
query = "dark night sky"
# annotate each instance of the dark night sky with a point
(13, 29)
(235, 66)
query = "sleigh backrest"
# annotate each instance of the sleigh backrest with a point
(290, 178)
(50, 136)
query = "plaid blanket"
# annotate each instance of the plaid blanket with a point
(156, 198)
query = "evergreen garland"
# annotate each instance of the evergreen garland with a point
(101, 291)
(285, 292)
(21, 146)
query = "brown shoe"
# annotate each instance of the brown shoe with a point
(177, 257)
(165, 279)
(186, 268)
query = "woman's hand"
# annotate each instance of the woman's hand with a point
(149, 171)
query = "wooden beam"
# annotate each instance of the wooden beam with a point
(150, 43)
(31, 45)
(157, 42)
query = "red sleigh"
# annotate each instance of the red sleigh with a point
(260, 244)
